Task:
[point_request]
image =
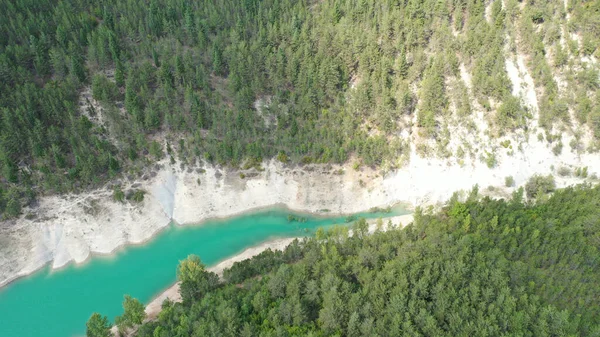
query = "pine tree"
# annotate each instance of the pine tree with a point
(77, 68)
(98, 326)
(119, 73)
(217, 61)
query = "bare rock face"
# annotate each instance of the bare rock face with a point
(71, 227)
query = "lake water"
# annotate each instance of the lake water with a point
(58, 303)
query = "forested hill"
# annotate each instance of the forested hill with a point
(89, 89)
(476, 268)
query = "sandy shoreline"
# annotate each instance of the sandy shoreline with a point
(153, 308)
(172, 292)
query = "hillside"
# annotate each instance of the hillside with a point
(119, 118)
(94, 92)
(476, 268)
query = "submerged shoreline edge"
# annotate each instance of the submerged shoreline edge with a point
(159, 230)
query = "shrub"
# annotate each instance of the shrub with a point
(537, 17)
(118, 194)
(137, 195)
(511, 115)
(490, 159)
(557, 149)
(588, 47)
(460, 152)
(539, 184)
(156, 150)
(13, 208)
(584, 172)
(485, 103)
(307, 160)
(540, 137)
(104, 90)
(282, 157)
(581, 172)
(575, 144)
(509, 181)
(573, 47)
(564, 171)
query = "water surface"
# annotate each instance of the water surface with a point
(58, 303)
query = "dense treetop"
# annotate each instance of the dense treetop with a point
(476, 268)
(89, 88)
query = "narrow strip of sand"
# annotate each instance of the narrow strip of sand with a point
(172, 293)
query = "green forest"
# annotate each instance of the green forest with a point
(481, 267)
(92, 89)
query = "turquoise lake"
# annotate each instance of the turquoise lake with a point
(57, 303)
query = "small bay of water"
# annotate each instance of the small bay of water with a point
(58, 303)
